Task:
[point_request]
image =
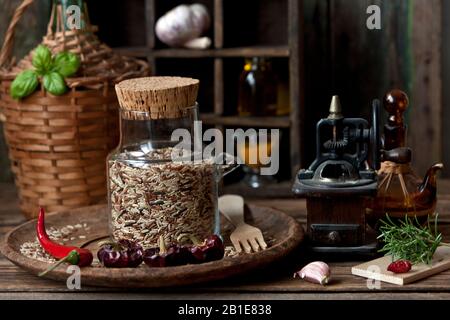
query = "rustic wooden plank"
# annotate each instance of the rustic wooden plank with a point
(9, 212)
(150, 23)
(445, 81)
(296, 85)
(218, 87)
(270, 191)
(276, 51)
(266, 122)
(225, 296)
(261, 51)
(444, 186)
(404, 54)
(365, 63)
(5, 172)
(425, 131)
(138, 52)
(258, 281)
(218, 24)
(150, 20)
(28, 34)
(271, 283)
(294, 207)
(317, 70)
(268, 280)
(32, 27)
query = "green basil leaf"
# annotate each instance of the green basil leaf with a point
(24, 84)
(54, 83)
(42, 59)
(66, 63)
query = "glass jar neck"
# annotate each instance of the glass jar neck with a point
(137, 128)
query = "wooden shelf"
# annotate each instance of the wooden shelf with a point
(272, 51)
(254, 43)
(276, 190)
(139, 52)
(267, 122)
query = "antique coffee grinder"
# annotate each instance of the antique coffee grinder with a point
(339, 182)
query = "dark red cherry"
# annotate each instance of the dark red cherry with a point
(123, 254)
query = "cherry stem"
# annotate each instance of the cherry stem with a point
(162, 245)
(195, 240)
(113, 244)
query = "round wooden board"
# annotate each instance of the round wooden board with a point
(283, 229)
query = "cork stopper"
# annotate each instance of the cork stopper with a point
(161, 97)
(395, 103)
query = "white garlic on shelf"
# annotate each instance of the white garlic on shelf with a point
(198, 43)
(183, 25)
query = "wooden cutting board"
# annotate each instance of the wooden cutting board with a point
(377, 269)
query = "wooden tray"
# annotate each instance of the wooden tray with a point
(283, 229)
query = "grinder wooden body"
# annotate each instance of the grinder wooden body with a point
(340, 181)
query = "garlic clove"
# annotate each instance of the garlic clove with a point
(315, 272)
(198, 43)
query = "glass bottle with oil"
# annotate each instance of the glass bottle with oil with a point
(257, 89)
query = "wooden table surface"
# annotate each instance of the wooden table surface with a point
(275, 282)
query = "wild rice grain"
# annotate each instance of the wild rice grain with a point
(165, 198)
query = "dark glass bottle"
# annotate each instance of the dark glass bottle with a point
(257, 89)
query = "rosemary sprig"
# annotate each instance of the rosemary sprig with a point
(409, 240)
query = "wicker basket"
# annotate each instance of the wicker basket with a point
(58, 144)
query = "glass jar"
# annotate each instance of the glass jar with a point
(157, 188)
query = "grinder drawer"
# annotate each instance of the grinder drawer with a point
(336, 234)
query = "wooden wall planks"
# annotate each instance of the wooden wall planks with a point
(425, 133)
(317, 60)
(445, 84)
(29, 33)
(343, 57)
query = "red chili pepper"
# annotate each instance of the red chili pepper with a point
(70, 254)
(400, 266)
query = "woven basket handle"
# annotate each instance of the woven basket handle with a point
(8, 44)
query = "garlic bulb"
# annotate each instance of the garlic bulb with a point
(316, 272)
(200, 17)
(183, 24)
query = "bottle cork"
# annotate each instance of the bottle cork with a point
(159, 97)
